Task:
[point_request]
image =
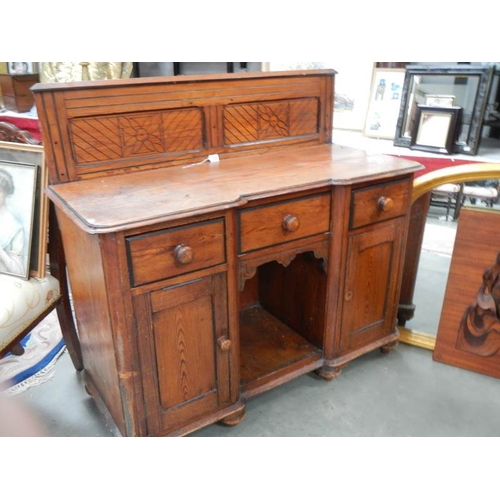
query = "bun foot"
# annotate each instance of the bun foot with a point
(234, 418)
(389, 347)
(17, 350)
(329, 372)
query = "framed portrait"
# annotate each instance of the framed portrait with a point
(28, 198)
(384, 104)
(435, 129)
(21, 68)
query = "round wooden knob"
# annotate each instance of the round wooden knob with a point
(348, 296)
(224, 344)
(183, 254)
(290, 223)
(385, 204)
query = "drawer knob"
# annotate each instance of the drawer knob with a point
(348, 296)
(183, 254)
(290, 223)
(385, 204)
(224, 344)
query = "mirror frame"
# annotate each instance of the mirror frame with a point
(424, 184)
(485, 74)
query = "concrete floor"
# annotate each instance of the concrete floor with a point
(403, 393)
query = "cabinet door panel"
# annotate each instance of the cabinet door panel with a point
(371, 284)
(184, 347)
(185, 373)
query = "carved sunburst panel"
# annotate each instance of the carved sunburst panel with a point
(271, 120)
(141, 135)
(100, 139)
(274, 120)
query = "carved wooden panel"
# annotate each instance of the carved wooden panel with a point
(469, 328)
(270, 120)
(479, 331)
(248, 268)
(105, 138)
(102, 128)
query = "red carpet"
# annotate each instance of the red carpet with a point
(432, 164)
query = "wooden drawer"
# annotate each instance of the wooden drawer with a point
(285, 221)
(378, 203)
(163, 254)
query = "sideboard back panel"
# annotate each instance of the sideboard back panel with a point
(148, 123)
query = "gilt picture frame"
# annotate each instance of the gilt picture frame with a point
(36, 231)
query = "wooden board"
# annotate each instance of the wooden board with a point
(469, 329)
(269, 348)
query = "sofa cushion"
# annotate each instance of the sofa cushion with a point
(21, 301)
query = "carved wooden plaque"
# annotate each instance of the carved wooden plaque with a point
(469, 329)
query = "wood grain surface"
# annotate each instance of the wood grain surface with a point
(477, 246)
(131, 200)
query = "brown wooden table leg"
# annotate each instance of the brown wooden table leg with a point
(419, 210)
(64, 312)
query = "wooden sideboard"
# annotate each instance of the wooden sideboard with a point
(200, 284)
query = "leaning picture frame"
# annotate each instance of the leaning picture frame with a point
(385, 101)
(470, 84)
(21, 68)
(435, 129)
(36, 232)
(440, 100)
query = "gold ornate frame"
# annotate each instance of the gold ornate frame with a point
(33, 154)
(426, 183)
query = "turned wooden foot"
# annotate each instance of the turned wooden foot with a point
(234, 418)
(329, 372)
(405, 313)
(389, 347)
(17, 350)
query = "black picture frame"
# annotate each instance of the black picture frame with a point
(470, 83)
(435, 129)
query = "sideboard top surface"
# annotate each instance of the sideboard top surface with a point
(101, 205)
(154, 80)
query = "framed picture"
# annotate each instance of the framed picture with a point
(470, 84)
(21, 68)
(384, 104)
(439, 100)
(435, 129)
(28, 197)
(352, 88)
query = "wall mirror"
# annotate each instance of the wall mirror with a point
(466, 86)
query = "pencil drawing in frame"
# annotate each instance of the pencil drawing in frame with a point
(385, 102)
(30, 192)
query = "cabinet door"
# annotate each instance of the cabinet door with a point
(184, 352)
(371, 284)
